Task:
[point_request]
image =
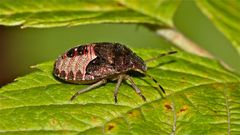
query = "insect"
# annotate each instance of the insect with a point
(98, 63)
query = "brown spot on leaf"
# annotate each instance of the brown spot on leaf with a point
(110, 127)
(183, 79)
(95, 120)
(217, 86)
(168, 107)
(182, 110)
(134, 113)
(130, 113)
(120, 4)
(53, 122)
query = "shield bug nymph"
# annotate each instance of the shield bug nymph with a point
(97, 63)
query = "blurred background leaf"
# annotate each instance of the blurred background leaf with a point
(161, 10)
(225, 16)
(52, 13)
(199, 93)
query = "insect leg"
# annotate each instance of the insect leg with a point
(137, 90)
(117, 87)
(88, 88)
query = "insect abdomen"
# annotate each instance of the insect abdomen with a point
(71, 66)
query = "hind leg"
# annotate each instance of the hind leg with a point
(99, 83)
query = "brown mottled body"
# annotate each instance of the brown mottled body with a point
(90, 63)
(95, 63)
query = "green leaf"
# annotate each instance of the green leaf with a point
(201, 98)
(51, 13)
(225, 16)
(162, 10)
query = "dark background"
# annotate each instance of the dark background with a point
(21, 48)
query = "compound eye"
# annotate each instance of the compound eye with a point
(70, 53)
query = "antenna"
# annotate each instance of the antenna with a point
(160, 55)
(154, 58)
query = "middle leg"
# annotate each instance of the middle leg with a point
(120, 78)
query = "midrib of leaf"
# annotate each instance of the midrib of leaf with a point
(174, 125)
(228, 112)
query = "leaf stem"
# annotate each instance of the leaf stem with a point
(182, 42)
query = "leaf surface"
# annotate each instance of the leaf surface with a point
(201, 98)
(162, 10)
(52, 13)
